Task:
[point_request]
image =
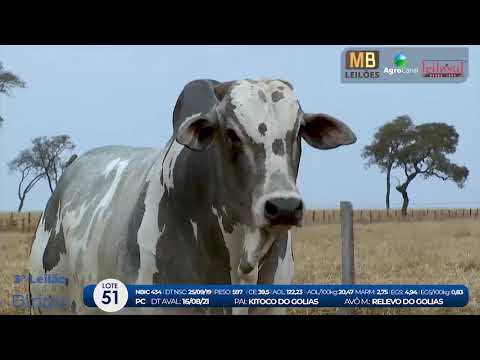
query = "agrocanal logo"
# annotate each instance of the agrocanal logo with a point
(400, 62)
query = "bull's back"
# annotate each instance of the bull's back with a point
(85, 232)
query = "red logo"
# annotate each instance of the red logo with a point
(443, 68)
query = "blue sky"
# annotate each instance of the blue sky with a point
(102, 95)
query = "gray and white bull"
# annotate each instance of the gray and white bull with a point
(214, 207)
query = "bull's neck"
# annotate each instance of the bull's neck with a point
(187, 218)
(192, 176)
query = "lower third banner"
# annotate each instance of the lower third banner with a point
(111, 292)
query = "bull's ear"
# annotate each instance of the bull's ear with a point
(194, 116)
(325, 132)
(197, 132)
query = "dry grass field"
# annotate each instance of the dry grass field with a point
(14, 251)
(439, 252)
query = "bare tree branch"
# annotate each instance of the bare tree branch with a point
(44, 160)
(440, 176)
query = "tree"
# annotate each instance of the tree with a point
(8, 81)
(425, 155)
(418, 150)
(387, 142)
(44, 160)
(24, 163)
(48, 156)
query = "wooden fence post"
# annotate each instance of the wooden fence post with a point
(346, 215)
(10, 222)
(347, 251)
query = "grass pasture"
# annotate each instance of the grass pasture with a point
(416, 252)
(437, 252)
(14, 251)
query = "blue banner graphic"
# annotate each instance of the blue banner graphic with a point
(281, 295)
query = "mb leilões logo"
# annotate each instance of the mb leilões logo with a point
(400, 62)
(362, 64)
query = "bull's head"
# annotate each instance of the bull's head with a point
(256, 128)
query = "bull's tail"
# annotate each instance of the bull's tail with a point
(71, 160)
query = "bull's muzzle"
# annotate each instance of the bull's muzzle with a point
(284, 211)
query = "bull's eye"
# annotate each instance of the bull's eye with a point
(232, 135)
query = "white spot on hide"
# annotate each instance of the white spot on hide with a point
(194, 226)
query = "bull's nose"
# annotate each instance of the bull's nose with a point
(284, 211)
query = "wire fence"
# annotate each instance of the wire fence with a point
(19, 221)
(370, 216)
(27, 221)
